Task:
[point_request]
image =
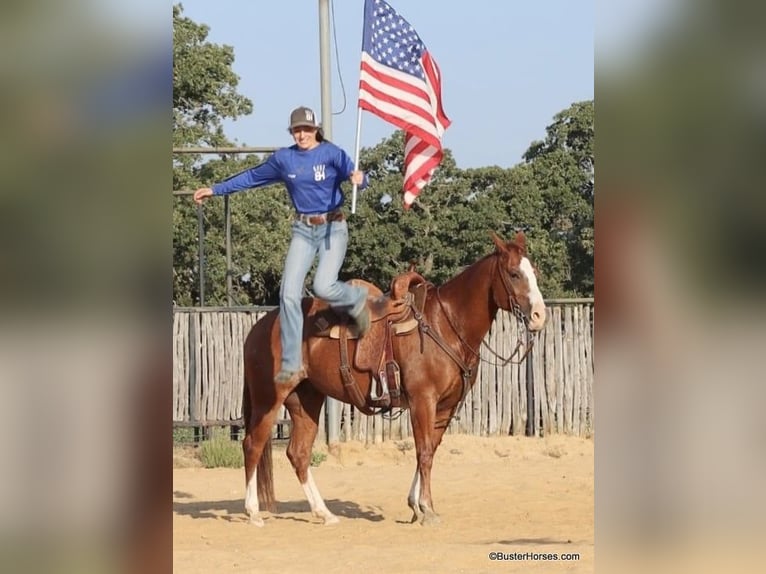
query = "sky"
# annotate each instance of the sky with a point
(507, 68)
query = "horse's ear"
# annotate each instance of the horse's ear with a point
(499, 243)
(521, 241)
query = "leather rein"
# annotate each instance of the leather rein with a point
(468, 370)
(515, 308)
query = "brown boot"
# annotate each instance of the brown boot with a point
(285, 377)
(363, 321)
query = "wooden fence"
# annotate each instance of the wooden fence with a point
(208, 377)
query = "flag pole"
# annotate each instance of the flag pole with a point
(356, 154)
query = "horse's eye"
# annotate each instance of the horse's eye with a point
(515, 275)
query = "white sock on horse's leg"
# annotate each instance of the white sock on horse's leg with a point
(414, 497)
(316, 502)
(251, 500)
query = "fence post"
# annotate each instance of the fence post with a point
(201, 239)
(531, 429)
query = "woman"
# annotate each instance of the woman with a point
(312, 171)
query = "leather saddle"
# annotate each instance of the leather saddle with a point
(392, 314)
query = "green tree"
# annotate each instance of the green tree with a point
(563, 168)
(549, 195)
(204, 93)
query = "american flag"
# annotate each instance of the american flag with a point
(400, 82)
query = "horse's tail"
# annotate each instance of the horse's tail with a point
(265, 475)
(246, 406)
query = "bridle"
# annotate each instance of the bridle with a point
(467, 369)
(515, 309)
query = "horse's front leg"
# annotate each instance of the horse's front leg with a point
(413, 499)
(423, 415)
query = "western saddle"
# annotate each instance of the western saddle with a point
(392, 314)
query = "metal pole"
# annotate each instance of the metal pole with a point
(531, 429)
(357, 147)
(201, 239)
(227, 230)
(325, 67)
(331, 405)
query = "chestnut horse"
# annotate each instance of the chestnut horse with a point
(436, 372)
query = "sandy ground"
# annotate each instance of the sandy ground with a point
(503, 494)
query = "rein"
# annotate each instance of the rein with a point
(516, 309)
(468, 371)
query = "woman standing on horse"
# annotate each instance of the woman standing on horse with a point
(312, 170)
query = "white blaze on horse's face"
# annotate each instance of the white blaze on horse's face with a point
(536, 303)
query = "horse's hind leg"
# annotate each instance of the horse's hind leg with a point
(304, 406)
(260, 412)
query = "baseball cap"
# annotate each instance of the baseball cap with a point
(303, 117)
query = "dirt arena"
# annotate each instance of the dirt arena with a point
(504, 494)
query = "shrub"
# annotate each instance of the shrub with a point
(221, 452)
(317, 458)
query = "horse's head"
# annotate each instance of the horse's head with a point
(515, 286)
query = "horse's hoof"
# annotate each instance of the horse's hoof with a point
(430, 519)
(256, 521)
(332, 519)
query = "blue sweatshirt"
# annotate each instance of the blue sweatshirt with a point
(312, 177)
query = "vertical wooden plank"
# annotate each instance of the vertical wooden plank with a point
(587, 404)
(590, 368)
(481, 376)
(185, 353)
(235, 369)
(228, 365)
(558, 366)
(516, 421)
(213, 341)
(396, 428)
(577, 367)
(216, 359)
(377, 429)
(476, 411)
(503, 374)
(178, 366)
(494, 336)
(363, 421)
(203, 368)
(321, 437)
(466, 417)
(541, 390)
(484, 410)
(244, 328)
(550, 381)
(210, 351)
(499, 372)
(355, 424)
(366, 429)
(568, 378)
(370, 437)
(346, 417)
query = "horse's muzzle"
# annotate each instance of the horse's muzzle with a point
(536, 318)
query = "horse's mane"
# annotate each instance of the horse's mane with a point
(478, 262)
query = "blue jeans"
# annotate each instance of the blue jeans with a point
(329, 241)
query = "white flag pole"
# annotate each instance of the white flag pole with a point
(356, 154)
